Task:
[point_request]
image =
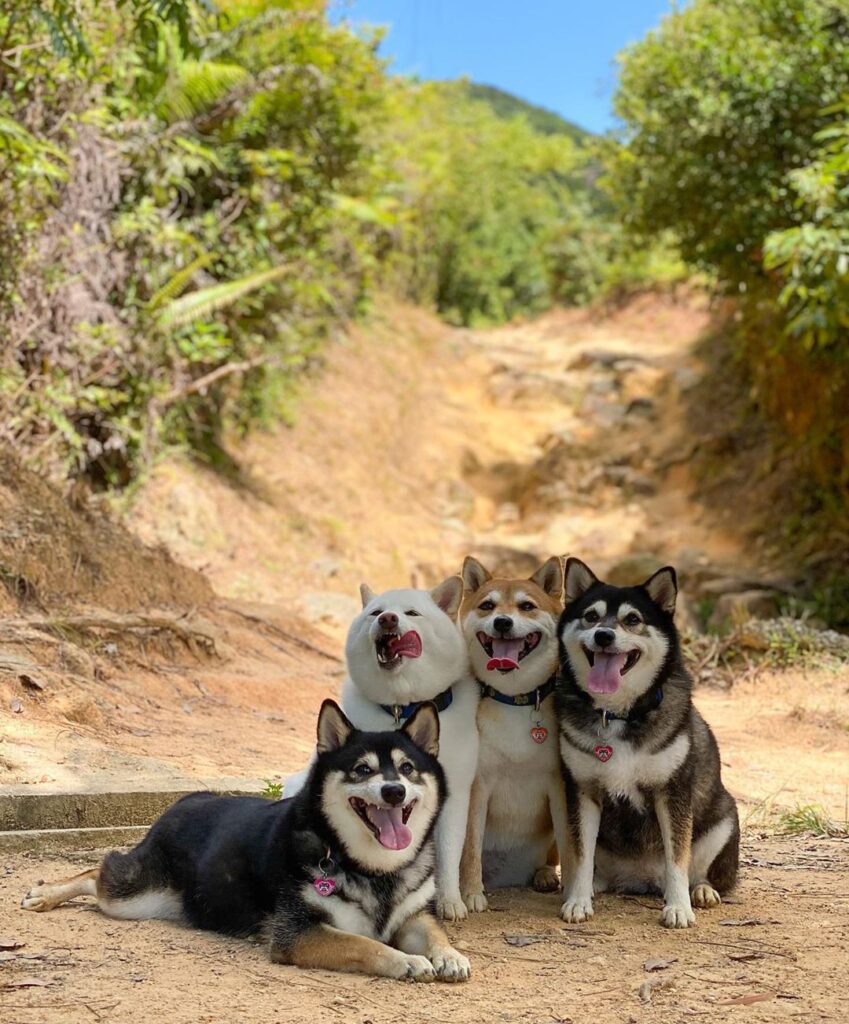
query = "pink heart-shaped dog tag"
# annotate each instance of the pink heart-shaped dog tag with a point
(324, 886)
(539, 734)
(603, 753)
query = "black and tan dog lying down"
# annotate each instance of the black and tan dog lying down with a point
(341, 876)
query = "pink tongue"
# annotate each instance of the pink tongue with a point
(505, 654)
(393, 833)
(606, 672)
(408, 646)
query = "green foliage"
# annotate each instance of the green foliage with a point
(507, 105)
(736, 143)
(812, 820)
(481, 200)
(273, 789)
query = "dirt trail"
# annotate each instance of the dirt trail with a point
(415, 445)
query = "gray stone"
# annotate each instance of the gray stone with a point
(747, 604)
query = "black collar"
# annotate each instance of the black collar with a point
(401, 712)
(649, 702)
(521, 700)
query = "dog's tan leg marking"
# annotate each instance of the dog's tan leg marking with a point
(422, 935)
(47, 895)
(545, 877)
(471, 873)
(677, 833)
(578, 905)
(704, 896)
(328, 948)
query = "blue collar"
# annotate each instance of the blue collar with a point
(522, 700)
(401, 712)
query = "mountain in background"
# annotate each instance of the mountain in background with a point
(505, 104)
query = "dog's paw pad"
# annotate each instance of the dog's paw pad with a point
(451, 966)
(705, 896)
(452, 910)
(677, 917)
(546, 880)
(476, 902)
(417, 968)
(577, 910)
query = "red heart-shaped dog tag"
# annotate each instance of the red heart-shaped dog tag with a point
(539, 734)
(603, 753)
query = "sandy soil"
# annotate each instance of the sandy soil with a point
(776, 951)
(416, 445)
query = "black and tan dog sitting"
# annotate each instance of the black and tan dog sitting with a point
(341, 876)
(647, 808)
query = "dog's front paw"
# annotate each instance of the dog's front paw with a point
(545, 879)
(412, 968)
(451, 965)
(451, 909)
(577, 909)
(681, 916)
(705, 896)
(37, 899)
(476, 902)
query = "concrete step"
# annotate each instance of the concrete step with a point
(56, 840)
(64, 821)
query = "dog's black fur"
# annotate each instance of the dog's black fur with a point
(237, 865)
(660, 714)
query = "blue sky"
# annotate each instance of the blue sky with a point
(557, 53)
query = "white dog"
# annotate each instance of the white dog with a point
(404, 648)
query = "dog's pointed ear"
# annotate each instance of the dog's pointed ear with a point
(549, 577)
(448, 595)
(474, 574)
(423, 728)
(366, 593)
(579, 579)
(662, 588)
(333, 727)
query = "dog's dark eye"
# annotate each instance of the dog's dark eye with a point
(526, 606)
(591, 616)
(632, 619)
(406, 768)
(362, 770)
(486, 606)
(377, 611)
(412, 611)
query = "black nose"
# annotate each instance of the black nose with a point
(393, 793)
(502, 624)
(604, 637)
(388, 620)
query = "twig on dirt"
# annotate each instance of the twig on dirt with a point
(748, 949)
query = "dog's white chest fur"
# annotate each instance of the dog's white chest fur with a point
(628, 769)
(520, 767)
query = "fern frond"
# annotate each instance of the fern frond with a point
(177, 282)
(195, 86)
(218, 296)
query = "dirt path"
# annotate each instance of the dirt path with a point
(416, 445)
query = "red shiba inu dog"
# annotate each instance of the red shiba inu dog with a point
(518, 801)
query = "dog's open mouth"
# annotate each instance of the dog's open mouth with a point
(607, 669)
(505, 655)
(387, 824)
(392, 648)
